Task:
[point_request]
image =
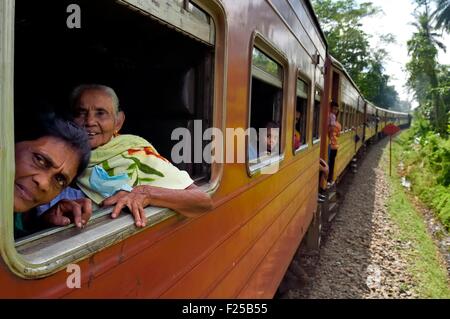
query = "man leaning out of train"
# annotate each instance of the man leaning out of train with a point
(48, 158)
(126, 170)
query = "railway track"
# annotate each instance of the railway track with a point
(359, 257)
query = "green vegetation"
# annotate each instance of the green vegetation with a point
(442, 15)
(431, 279)
(426, 163)
(349, 44)
(426, 77)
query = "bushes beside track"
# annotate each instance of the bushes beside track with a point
(425, 156)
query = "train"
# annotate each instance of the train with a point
(181, 63)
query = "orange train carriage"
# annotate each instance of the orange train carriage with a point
(360, 119)
(224, 64)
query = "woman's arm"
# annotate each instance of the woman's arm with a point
(189, 202)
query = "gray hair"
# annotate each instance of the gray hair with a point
(78, 91)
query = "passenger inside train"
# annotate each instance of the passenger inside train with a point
(126, 170)
(125, 49)
(334, 129)
(301, 115)
(269, 143)
(48, 158)
(128, 51)
(297, 134)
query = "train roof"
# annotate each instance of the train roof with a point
(316, 21)
(340, 67)
(390, 111)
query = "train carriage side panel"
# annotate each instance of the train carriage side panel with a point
(244, 245)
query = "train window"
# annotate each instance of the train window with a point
(158, 55)
(348, 117)
(130, 50)
(264, 145)
(342, 116)
(348, 120)
(352, 118)
(301, 116)
(316, 116)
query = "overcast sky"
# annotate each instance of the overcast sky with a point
(396, 20)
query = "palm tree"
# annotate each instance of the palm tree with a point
(442, 15)
(422, 67)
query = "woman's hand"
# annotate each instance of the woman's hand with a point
(135, 201)
(189, 202)
(61, 214)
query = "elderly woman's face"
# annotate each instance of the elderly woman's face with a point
(44, 167)
(95, 112)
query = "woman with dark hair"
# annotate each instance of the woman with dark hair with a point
(48, 156)
(126, 170)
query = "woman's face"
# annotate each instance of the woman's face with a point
(44, 167)
(95, 112)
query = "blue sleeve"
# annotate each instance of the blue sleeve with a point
(252, 154)
(67, 193)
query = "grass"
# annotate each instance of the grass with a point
(430, 275)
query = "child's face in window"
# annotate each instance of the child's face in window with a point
(272, 138)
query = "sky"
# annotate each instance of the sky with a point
(396, 19)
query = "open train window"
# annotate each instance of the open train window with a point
(341, 116)
(316, 116)
(158, 55)
(352, 117)
(346, 117)
(264, 145)
(301, 116)
(163, 78)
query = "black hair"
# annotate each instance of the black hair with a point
(67, 131)
(334, 104)
(272, 124)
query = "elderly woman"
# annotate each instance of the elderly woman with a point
(126, 170)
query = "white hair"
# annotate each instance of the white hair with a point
(78, 91)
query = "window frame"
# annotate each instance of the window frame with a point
(79, 248)
(302, 76)
(269, 49)
(342, 116)
(317, 89)
(352, 118)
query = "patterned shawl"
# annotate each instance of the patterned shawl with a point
(137, 158)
